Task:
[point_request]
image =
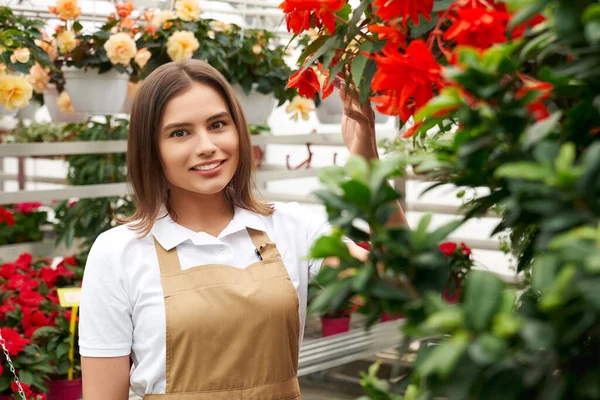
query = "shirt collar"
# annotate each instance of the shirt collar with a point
(170, 234)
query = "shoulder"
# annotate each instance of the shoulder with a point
(296, 213)
(116, 241)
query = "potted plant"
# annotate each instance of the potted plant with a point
(252, 60)
(21, 223)
(21, 60)
(98, 63)
(32, 311)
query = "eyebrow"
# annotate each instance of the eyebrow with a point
(175, 125)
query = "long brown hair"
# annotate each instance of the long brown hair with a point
(144, 168)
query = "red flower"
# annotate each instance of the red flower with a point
(30, 298)
(6, 216)
(544, 90)
(70, 261)
(306, 82)
(7, 270)
(26, 208)
(300, 13)
(24, 262)
(391, 9)
(49, 276)
(404, 82)
(519, 30)
(33, 320)
(392, 33)
(8, 306)
(26, 389)
(1, 370)
(68, 314)
(477, 26)
(448, 248)
(465, 249)
(63, 271)
(15, 343)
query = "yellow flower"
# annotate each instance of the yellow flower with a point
(15, 91)
(63, 101)
(120, 48)
(66, 41)
(300, 106)
(182, 45)
(188, 10)
(48, 46)
(39, 78)
(2, 69)
(159, 19)
(220, 26)
(257, 49)
(68, 9)
(21, 55)
(142, 56)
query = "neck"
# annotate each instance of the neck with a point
(201, 213)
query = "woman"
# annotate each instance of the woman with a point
(205, 288)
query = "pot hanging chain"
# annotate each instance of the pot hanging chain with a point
(12, 368)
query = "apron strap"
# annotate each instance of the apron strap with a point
(263, 244)
(168, 261)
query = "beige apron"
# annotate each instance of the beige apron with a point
(231, 333)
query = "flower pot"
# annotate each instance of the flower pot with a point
(95, 93)
(330, 111)
(385, 317)
(7, 113)
(335, 325)
(257, 106)
(50, 97)
(2, 397)
(64, 390)
(30, 111)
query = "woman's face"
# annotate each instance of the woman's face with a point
(198, 142)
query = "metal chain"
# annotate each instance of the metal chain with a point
(12, 367)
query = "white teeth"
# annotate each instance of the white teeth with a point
(207, 167)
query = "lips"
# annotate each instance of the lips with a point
(207, 166)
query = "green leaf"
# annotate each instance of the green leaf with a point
(538, 334)
(328, 246)
(358, 193)
(313, 47)
(26, 376)
(62, 350)
(526, 170)
(527, 13)
(487, 349)
(358, 168)
(442, 233)
(444, 357)
(565, 158)
(332, 177)
(448, 98)
(540, 130)
(592, 32)
(483, 291)
(358, 64)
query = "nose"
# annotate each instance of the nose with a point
(204, 145)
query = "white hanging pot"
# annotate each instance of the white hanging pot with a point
(50, 97)
(30, 111)
(257, 106)
(96, 93)
(7, 113)
(330, 111)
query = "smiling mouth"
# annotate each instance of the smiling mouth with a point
(208, 167)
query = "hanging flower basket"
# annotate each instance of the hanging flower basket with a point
(95, 93)
(50, 101)
(257, 106)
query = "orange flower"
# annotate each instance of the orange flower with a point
(124, 10)
(300, 13)
(404, 82)
(389, 10)
(306, 82)
(477, 26)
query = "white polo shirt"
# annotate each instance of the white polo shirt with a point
(122, 306)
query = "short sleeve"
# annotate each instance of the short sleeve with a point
(105, 323)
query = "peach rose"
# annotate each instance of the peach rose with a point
(142, 57)
(120, 48)
(47, 44)
(187, 10)
(66, 41)
(39, 78)
(21, 55)
(66, 9)
(257, 49)
(162, 17)
(63, 101)
(15, 91)
(182, 45)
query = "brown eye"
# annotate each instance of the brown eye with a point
(218, 125)
(179, 133)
